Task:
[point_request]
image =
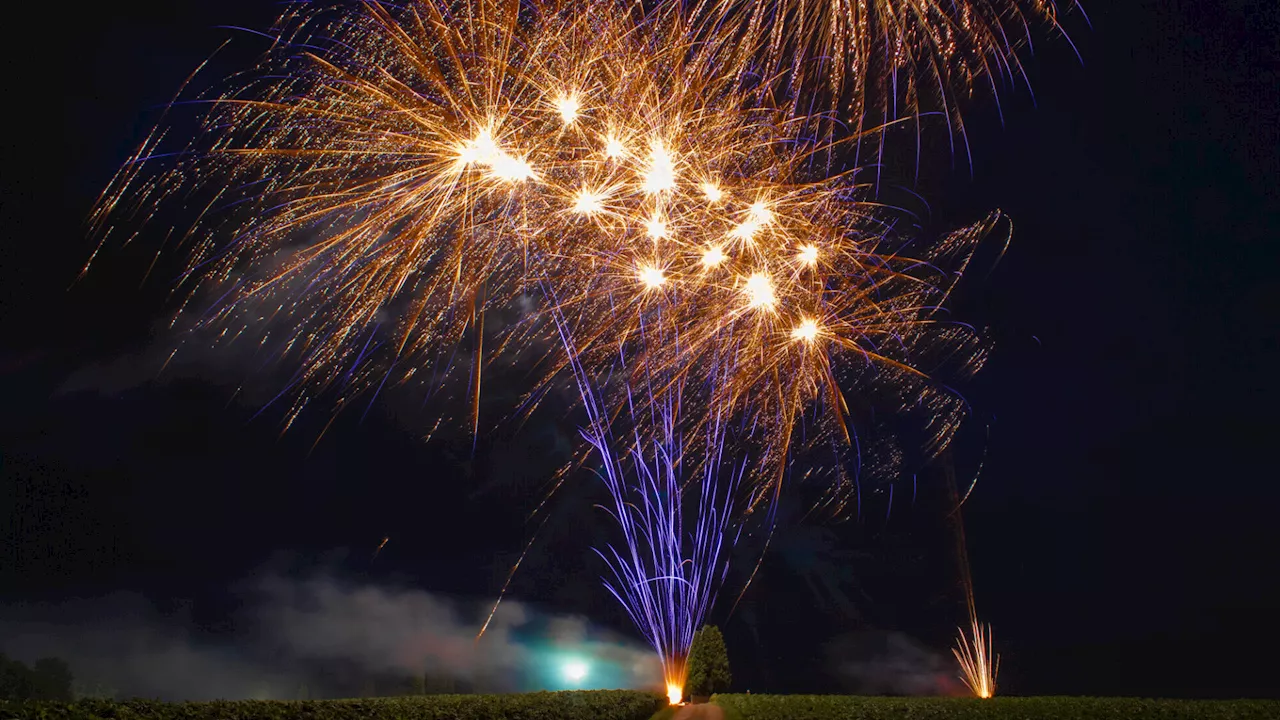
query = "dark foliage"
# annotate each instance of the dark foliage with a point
(577, 705)
(708, 663)
(50, 679)
(841, 707)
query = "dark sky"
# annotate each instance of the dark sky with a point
(1123, 535)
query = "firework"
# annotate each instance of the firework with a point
(672, 500)
(978, 662)
(875, 60)
(975, 651)
(390, 175)
(387, 176)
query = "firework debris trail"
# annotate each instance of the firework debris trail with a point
(716, 287)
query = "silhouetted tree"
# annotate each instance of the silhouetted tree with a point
(15, 679)
(708, 663)
(52, 679)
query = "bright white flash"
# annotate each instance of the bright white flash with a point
(661, 173)
(575, 671)
(613, 147)
(745, 231)
(758, 215)
(652, 277)
(807, 330)
(568, 107)
(480, 151)
(656, 227)
(511, 169)
(588, 202)
(484, 151)
(712, 192)
(808, 254)
(760, 291)
(713, 257)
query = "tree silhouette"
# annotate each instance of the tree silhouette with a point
(708, 663)
(50, 679)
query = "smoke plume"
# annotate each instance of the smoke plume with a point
(318, 637)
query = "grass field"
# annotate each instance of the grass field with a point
(578, 705)
(848, 707)
(625, 705)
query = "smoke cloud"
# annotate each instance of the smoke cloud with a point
(891, 663)
(319, 637)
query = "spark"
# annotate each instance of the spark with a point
(652, 277)
(588, 202)
(484, 151)
(712, 192)
(745, 231)
(979, 665)
(656, 228)
(808, 255)
(760, 213)
(568, 107)
(713, 257)
(807, 330)
(511, 169)
(760, 294)
(661, 173)
(480, 151)
(613, 147)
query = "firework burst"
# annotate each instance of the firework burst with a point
(390, 174)
(671, 497)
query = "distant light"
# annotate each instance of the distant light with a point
(808, 255)
(575, 671)
(807, 331)
(760, 291)
(568, 106)
(713, 257)
(712, 192)
(652, 277)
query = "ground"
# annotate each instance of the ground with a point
(691, 711)
(698, 711)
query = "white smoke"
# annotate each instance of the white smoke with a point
(290, 627)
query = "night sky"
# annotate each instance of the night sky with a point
(1123, 534)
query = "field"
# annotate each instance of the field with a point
(849, 707)
(584, 705)
(625, 705)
